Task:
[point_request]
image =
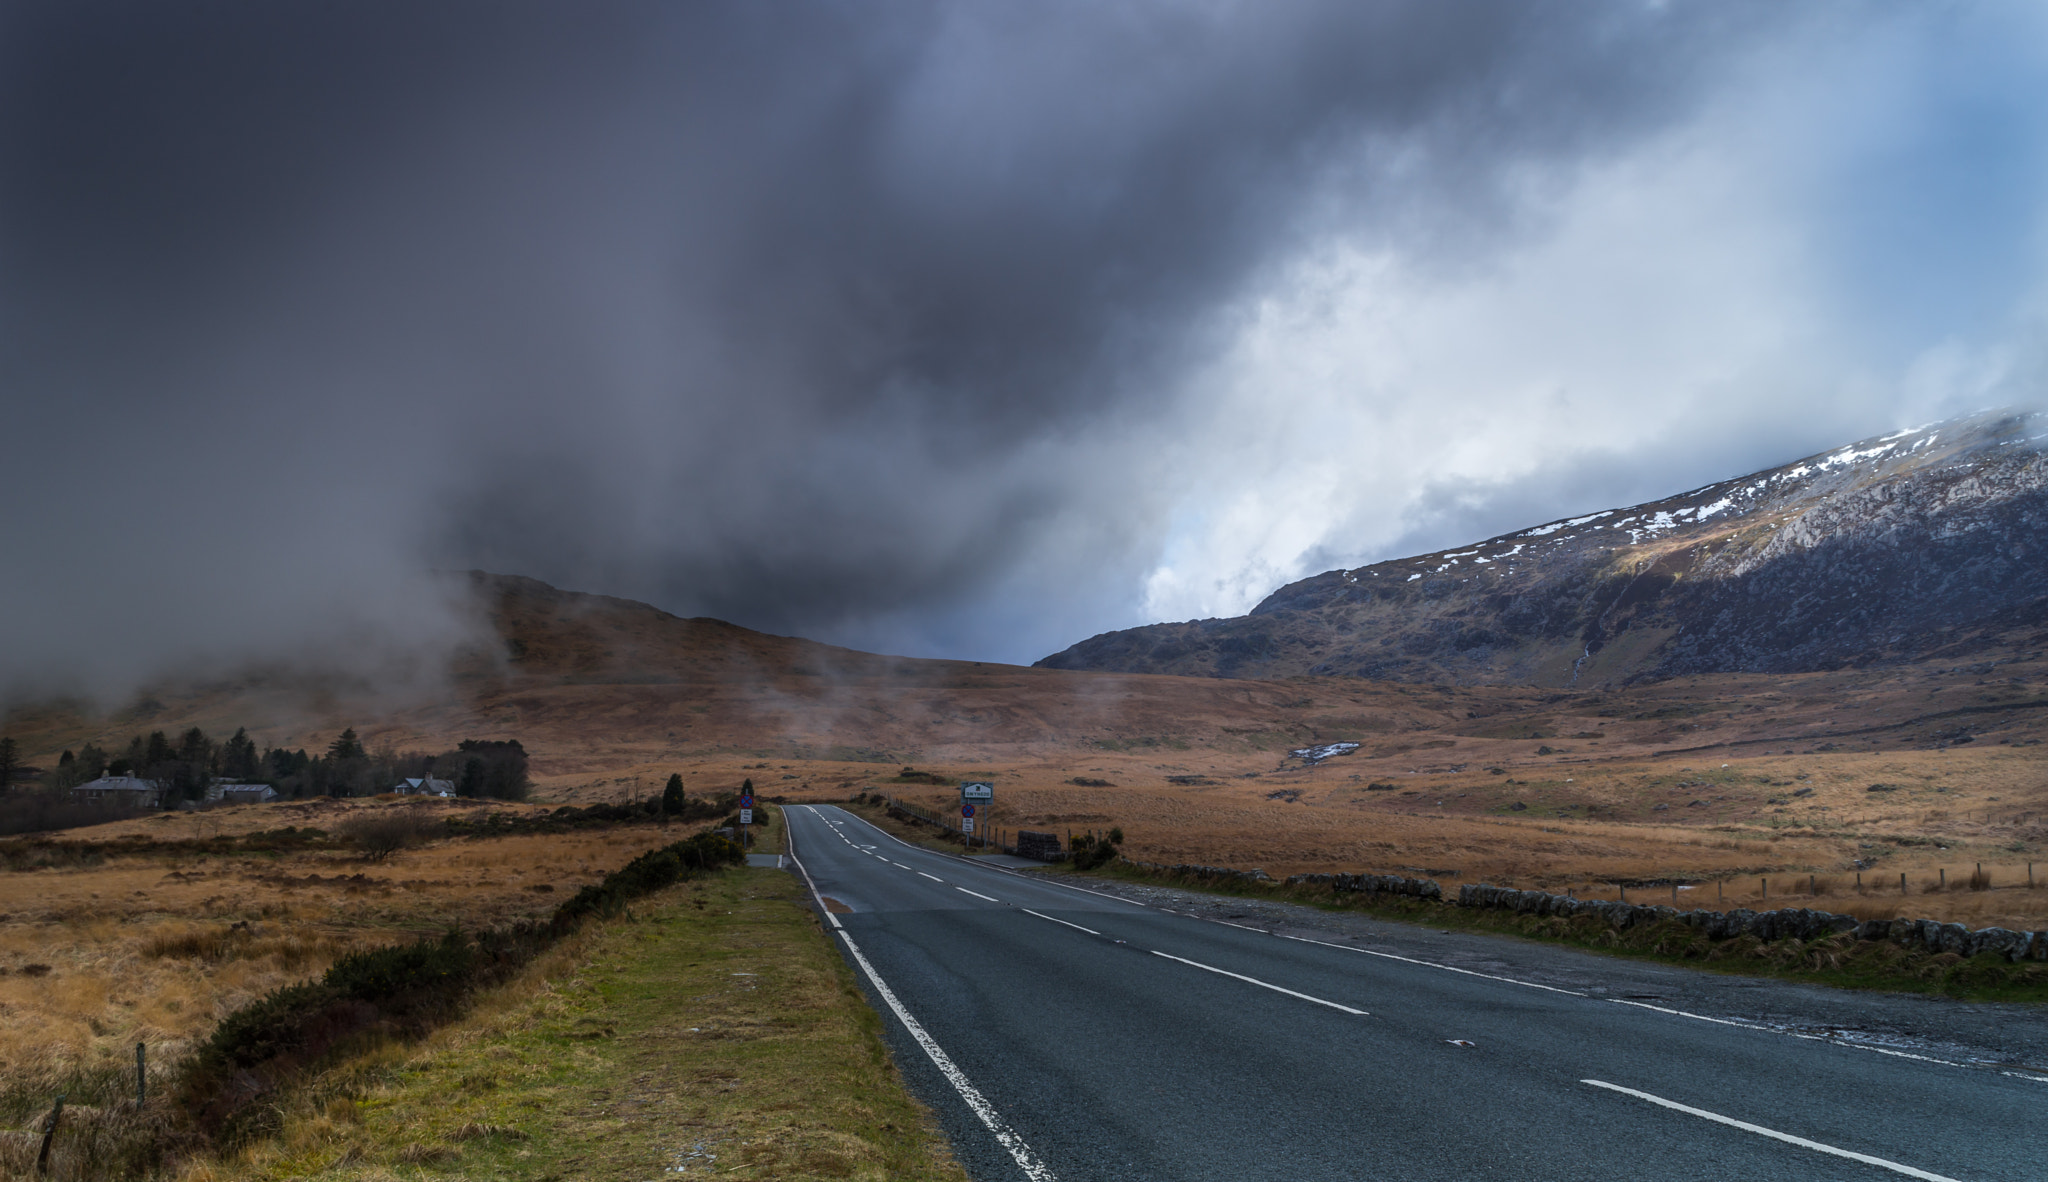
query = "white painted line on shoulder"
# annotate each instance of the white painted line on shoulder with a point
(933, 877)
(976, 894)
(1246, 927)
(1005, 1136)
(1255, 981)
(2023, 1075)
(1077, 927)
(1791, 1034)
(1774, 1134)
(1430, 964)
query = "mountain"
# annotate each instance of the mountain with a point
(1927, 542)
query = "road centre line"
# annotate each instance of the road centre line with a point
(895, 863)
(996, 869)
(933, 877)
(1077, 927)
(1261, 984)
(977, 894)
(1761, 1131)
(1484, 976)
(1429, 964)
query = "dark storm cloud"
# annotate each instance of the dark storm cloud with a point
(844, 320)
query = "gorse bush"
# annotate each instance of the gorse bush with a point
(384, 832)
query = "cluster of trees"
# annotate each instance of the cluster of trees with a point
(187, 765)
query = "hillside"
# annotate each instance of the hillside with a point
(1925, 543)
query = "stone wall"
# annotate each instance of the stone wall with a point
(1380, 884)
(1205, 873)
(1788, 924)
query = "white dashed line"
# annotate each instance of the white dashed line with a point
(1761, 1131)
(1077, 927)
(1228, 924)
(1428, 964)
(1255, 981)
(977, 894)
(934, 878)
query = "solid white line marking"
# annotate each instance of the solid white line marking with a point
(1005, 1136)
(933, 877)
(998, 869)
(1228, 924)
(976, 894)
(1077, 927)
(1761, 1131)
(1255, 981)
(1795, 1034)
(1429, 964)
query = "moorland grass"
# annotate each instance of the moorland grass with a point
(716, 1030)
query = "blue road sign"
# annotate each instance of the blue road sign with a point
(747, 801)
(966, 810)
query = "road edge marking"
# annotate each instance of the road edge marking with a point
(1774, 1134)
(1007, 1137)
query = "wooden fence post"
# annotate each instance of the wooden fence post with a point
(49, 1136)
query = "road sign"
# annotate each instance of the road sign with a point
(746, 816)
(977, 790)
(747, 801)
(967, 810)
(967, 824)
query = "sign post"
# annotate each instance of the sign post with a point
(973, 792)
(746, 818)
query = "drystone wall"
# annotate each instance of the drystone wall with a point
(1377, 884)
(1787, 924)
(1206, 873)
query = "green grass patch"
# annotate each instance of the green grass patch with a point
(714, 1030)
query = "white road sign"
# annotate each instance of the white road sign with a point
(746, 816)
(977, 790)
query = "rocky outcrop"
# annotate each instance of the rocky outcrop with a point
(1886, 549)
(1798, 923)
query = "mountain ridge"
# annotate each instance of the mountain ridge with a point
(1882, 549)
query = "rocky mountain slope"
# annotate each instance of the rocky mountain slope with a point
(1928, 541)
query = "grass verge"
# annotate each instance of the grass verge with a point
(713, 1029)
(1842, 960)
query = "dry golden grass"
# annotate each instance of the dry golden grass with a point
(156, 948)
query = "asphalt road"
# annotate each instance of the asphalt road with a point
(1064, 1034)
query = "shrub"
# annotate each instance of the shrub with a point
(405, 989)
(384, 832)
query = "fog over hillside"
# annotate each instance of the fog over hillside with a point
(946, 329)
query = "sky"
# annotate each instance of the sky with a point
(946, 329)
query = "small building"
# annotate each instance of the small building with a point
(424, 787)
(129, 791)
(229, 792)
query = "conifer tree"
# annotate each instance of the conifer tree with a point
(672, 796)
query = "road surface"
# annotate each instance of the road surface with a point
(1064, 1034)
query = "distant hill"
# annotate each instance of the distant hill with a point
(1926, 542)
